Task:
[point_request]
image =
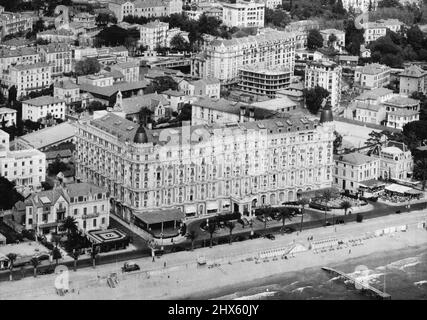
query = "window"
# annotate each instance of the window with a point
(94, 222)
(84, 211)
(76, 212)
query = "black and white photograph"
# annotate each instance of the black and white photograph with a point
(216, 151)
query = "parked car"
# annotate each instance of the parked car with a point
(269, 236)
(269, 219)
(261, 218)
(130, 266)
(46, 271)
(289, 230)
(256, 235)
(43, 256)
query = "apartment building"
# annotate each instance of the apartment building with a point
(154, 34)
(326, 74)
(360, 5)
(14, 22)
(101, 79)
(27, 78)
(354, 168)
(209, 87)
(40, 107)
(401, 110)
(144, 8)
(8, 116)
(130, 70)
(373, 75)
(66, 90)
(221, 59)
(222, 168)
(339, 43)
(378, 29)
(58, 55)
(61, 35)
(263, 82)
(243, 14)
(26, 168)
(25, 55)
(88, 204)
(413, 79)
(396, 161)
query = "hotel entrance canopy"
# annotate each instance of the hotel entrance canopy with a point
(160, 216)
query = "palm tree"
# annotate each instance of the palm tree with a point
(345, 205)
(192, 236)
(302, 202)
(284, 213)
(35, 262)
(326, 196)
(12, 257)
(231, 225)
(94, 253)
(420, 171)
(76, 254)
(211, 230)
(266, 212)
(70, 224)
(56, 254)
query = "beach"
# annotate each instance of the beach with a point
(234, 268)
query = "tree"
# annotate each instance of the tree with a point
(314, 39)
(9, 195)
(35, 262)
(415, 37)
(12, 94)
(326, 196)
(70, 224)
(345, 205)
(314, 98)
(160, 84)
(389, 4)
(87, 66)
(302, 202)
(95, 106)
(113, 36)
(354, 37)
(337, 142)
(231, 225)
(179, 43)
(420, 171)
(56, 167)
(12, 258)
(332, 38)
(276, 17)
(56, 254)
(192, 236)
(211, 229)
(284, 213)
(76, 255)
(102, 19)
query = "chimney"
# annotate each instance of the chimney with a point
(242, 114)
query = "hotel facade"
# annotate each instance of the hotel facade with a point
(222, 59)
(206, 169)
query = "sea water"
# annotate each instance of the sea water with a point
(401, 274)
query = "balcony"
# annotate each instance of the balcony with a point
(90, 215)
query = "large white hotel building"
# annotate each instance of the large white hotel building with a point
(204, 169)
(222, 59)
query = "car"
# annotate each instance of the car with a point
(289, 230)
(130, 266)
(43, 256)
(46, 271)
(261, 218)
(269, 219)
(269, 236)
(398, 211)
(256, 235)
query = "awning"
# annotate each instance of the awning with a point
(413, 191)
(371, 183)
(397, 188)
(190, 208)
(160, 216)
(211, 205)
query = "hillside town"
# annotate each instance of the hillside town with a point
(142, 129)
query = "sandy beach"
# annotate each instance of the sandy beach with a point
(183, 279)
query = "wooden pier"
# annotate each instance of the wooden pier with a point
(366, 287)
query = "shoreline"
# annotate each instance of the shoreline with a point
(379, 258)
(181, 281)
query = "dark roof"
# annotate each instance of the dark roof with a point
(160, 216)
(123, 129)
(60, 153)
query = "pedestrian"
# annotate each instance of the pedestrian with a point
(164, 264)
(153, 258)
(349, 251)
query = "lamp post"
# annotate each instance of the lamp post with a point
(161, 237)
